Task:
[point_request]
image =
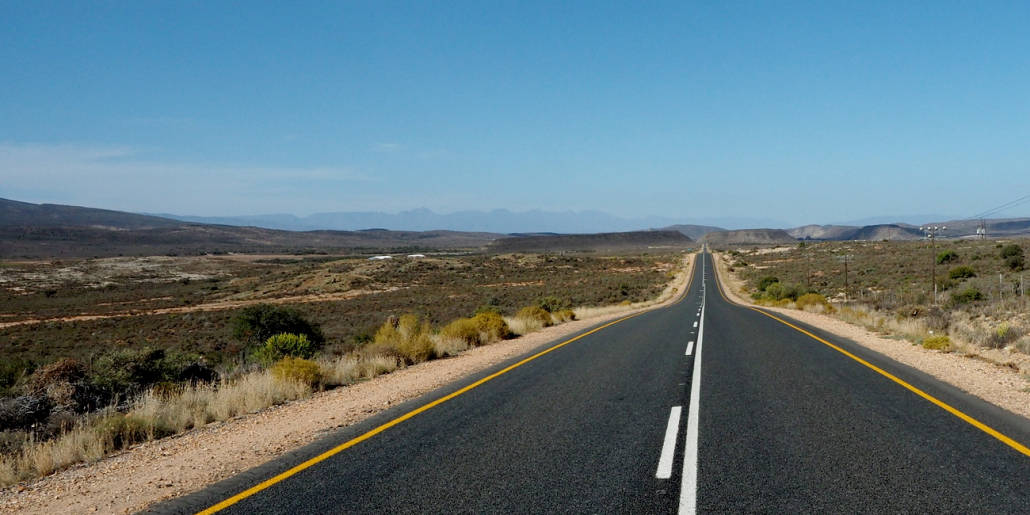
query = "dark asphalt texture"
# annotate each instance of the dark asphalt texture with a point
(787, 425)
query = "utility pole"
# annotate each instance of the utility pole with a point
(981, 230)
(845, 259)
(931, 233)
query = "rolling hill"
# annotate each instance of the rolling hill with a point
(749, 237)
(601, 242)
(47, 230)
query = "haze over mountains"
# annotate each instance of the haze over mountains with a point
(496, 221)
(48, 230)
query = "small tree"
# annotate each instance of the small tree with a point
(256, 324)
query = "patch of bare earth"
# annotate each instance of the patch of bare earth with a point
(996, 376)
(168, 468)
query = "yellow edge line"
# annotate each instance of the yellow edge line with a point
(943, 405)
(351, 443)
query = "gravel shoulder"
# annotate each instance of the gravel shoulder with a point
(999, 377)
(168, 468)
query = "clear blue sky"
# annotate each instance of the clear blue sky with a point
(814, 112)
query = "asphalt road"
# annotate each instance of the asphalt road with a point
(773, 421)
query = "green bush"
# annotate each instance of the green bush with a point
(948, 256)
(966, 296)
(128, 371)
(256, 324)
(962, 272)
(1015, 263)
(535, 313)
(298, 370)
(781, 291)
(1011, 250)
(766, 281)
(937, 343)
(281, 345)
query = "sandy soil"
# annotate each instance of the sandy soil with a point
(171, 467)
(994, 376)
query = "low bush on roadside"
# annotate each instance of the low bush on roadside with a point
(564, 315)
(298, 370)
(942, 343)
(407, 338)
(814, 302)
(535, 313)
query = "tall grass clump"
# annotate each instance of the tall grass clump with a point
(407, 338)
(486, 327)
(814, 302)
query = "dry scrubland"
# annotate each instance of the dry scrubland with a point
(74, 390)
(981, 302)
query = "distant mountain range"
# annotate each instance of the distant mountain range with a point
(49, 230)
(495, 221)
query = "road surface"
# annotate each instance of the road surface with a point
(703, 406)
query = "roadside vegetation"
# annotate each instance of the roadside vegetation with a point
(981, 300)
(80, 407)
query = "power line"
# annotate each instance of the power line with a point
(1007, 205)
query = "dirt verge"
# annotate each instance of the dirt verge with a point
(999, 383)
(168, 468)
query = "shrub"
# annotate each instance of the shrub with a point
(65, 370)
(282, 345)
(966, 296)
(407, 338)
(1016, 263)
(298, 370)
(809, 301)
(535, 313)
(780, 291)
(948, 256)
(553, 304)
(129, 371)
(564, 315)
(961, 272)
(937, 343)
(256, 324)
(484, 328)
(120, 431)
(1011, 250)
(464, 329)
(766, 281)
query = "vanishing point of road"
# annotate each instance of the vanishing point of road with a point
(702, 406)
